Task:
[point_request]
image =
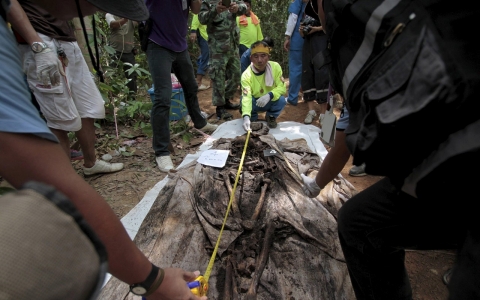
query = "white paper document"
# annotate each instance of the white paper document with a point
(214, 158)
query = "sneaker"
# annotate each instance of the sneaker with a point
(203, 87)
(76, 155)
(309, 119)
(272, 122)
(101, 166)
(230, 105)
(204, 115)
(357, 171)
(209, 128)
(164, 163)
(222, 114)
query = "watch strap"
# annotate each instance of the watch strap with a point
(156, 283)
(148, 282)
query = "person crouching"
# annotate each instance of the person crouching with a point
(263, 87)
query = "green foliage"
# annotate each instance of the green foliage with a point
(135, 111)
(181, 127)
(273, 15)
(119, 102)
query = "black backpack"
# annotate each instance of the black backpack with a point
(410, 78)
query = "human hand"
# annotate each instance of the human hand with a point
(246, 123)
(286, 44)
(310, 186)
(233, 8)
(220, 7)
(300, 30)
(262, 101)
(315, 29)
(174, 285)
(193, 36)
(49, 67)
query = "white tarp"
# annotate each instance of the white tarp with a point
(230, 129)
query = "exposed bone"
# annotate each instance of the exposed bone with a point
(249, 224)
(253, 162)
(261, 200)
(308, 226)
(236, 210)
(262, 260)
(257, 183)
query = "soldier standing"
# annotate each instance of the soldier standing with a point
(223, 42)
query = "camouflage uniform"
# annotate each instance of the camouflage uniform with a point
(223, 41)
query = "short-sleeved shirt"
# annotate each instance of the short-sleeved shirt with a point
(170, 19)
(121, 39)
(249, 34)
(17, 113)
(47, 24)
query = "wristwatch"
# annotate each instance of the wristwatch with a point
(140, 289)
(38, 47)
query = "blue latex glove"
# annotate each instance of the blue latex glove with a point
(246, 123)
(262, 101)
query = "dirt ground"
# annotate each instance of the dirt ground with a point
(123, 190)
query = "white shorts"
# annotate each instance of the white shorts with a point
(76, 97)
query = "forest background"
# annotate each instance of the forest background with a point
(273, 15)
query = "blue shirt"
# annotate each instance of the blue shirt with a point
(245, 60)
(17, 113)
(297, 7)
(343, 120)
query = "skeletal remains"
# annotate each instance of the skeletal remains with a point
(277, 243)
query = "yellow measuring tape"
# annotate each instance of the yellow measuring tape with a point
(202, 288)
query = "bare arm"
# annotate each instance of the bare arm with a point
(49, 67)
(53, 167)
(115, 24)
(321, 14)
(334, 161)
(118, 23)
(19, 20)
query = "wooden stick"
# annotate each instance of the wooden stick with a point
(228, 281)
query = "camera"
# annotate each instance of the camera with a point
(308, 22)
